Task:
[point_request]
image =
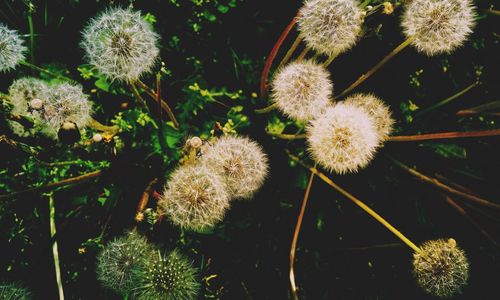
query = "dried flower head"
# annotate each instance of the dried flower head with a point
(120, 258)
(195, 198)
(343, 139)
(441, 268)
(439, 26)
(302, 90)
(240, 162)
(66, 103)
(12, 49)
(376, 108)
(330, 27)
(14, 291)
(170, 277)
(120, 44)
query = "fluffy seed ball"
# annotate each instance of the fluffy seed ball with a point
(119, 260)
(14, 291)
(378, 111)
(195, 197)
(441, 268)
(170, 277)
(240, 162)
(120, 44)
(343, 139)
(65, 103)
(330, 26)
(11, 48)
(302, 90)
(440, 26)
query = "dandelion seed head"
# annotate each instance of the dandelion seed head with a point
(302, 90)
(14, 291)
(439, 26)
(12, 49)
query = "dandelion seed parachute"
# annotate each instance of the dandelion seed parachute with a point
(14, 291)
(120, 44)
(441, 268)
(378, 111)
(120, 258)
(195, 198)
(166, 277)
(12, 49)
(240, 162)
(343, 139)
(330, 27)
(439, 26)
(302, 90)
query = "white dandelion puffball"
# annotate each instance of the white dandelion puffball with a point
(441, 268)
(65, 103)
(376, 108)
(12, 49)
(343, 139)
(240, 162)
(120, 44)
(302, 90)
(195, 198)
(439, 26)
(330, 27)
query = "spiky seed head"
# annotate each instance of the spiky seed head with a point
(166, 277)
(119, 259)
(66, 103)
(12, 49)
(120, 44)
(330, 27)
(302, 90)
(195, 197)
(343, 139)
(14, 291)
(240, 162)
(441, 268)
(439, 26)
(378, 111)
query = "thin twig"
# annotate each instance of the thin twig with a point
(444, 135)
(358, 202)
(143, 202)
(272, 56)
(53, 185)
(266, 109)
(293, 247)
(55, 252)
(135, 92)
(163, 103)
(480, 109)
(290, 52)
(444, 187)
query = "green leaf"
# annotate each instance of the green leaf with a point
(102, 84)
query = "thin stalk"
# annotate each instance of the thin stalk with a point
(161, 136)
(163, 103)
(32, 37)
(39, 69)
(53, 185)
(479, 109)
(329, 61)
(444, 135)
(135, 92)
(358, 202)
(101, 127)
(293, 247)
(55, 252)
(272, 56)
(372, 71)
(143, 202)
(285, 136)
(444, 187)
(290, 52)
(303, 54)
(492, 11)
(266, 109)
(448, 100)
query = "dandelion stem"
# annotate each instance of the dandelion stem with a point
(101, 127)
(290, 52)
(163, 103)
(448, 100)
(55, 252)
(370, 72)
(54, 185)
(329, 61)
(266, 109)
(37, 68)
(303, 54)
(492, 11)
(135, 92)
(444, 135)
(479, 109)
(358, 202)
(285, 136)
(143, 202)
(272, 56)
(32, 36)
(293, 247)
(444, 187)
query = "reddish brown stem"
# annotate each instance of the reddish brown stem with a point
(143, 202)
(296, 237)
(162, 102)
(444, 135)
(54, 185)
(272, 56)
